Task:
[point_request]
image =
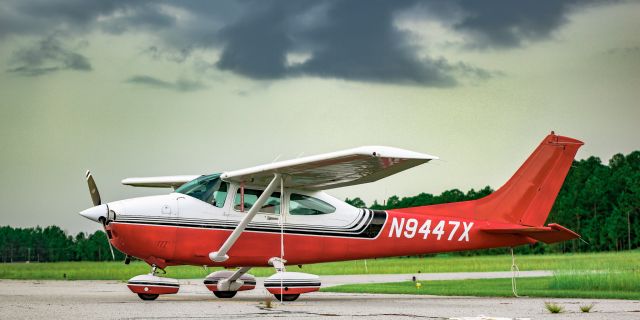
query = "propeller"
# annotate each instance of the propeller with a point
(95, 198)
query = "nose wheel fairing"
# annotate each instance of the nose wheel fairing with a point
(149, 285)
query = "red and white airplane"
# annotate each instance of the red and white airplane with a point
(247, 218)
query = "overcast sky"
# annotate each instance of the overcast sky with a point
(143, 88)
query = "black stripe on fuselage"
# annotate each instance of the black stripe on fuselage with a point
(365, 214)
(371, 229)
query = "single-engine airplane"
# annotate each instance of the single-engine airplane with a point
(247, 218)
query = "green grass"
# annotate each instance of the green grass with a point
(621, 285)
(88, 271)
(604, 262)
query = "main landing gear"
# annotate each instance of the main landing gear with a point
(287, 286)
(150, 287)
(225, 284)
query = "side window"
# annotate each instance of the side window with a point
(272, 205)
(220, 195)
(304, 205)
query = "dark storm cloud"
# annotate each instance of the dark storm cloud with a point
(364, 44)
(353, 40)
(350, 40)
(359, 40)
(179, 85)
(257, 44)
(79, 16)
(46, 56)
(507, 23)
(69, 18)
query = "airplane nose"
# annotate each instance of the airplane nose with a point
(95, 213)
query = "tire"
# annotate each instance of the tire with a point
(147, 296)
(225, 294)
(287, 297)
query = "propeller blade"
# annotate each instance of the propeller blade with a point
(93, 189)
(113, 256)
(95, 198)
(104, 226)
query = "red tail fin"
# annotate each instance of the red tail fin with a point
(528, 196)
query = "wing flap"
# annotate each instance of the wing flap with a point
(333, 170)
(550, 234)
(159, 182)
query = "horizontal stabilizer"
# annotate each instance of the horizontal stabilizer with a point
(550, 234)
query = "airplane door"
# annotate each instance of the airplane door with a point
(165, 241)
(179, 199)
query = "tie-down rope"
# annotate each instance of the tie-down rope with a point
(515, 273)
(282, 217)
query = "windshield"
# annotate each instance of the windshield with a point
(209, 189)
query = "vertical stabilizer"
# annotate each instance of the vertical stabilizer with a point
(528, 196)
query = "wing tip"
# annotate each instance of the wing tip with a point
(393, 152)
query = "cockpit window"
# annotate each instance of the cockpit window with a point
(210, 189)
(307, 206)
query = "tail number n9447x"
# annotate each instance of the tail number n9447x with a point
(409, 228)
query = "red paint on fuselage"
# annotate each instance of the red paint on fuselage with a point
(192, 246)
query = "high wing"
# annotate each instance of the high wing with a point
(159, 182)
(333, 170)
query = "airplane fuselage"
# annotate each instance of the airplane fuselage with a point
(176, 229)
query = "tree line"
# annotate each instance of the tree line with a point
(52, 244)
(599, 201)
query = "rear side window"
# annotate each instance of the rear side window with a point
(307, 206)
(272, 205)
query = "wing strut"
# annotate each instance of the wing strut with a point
(221, 254)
